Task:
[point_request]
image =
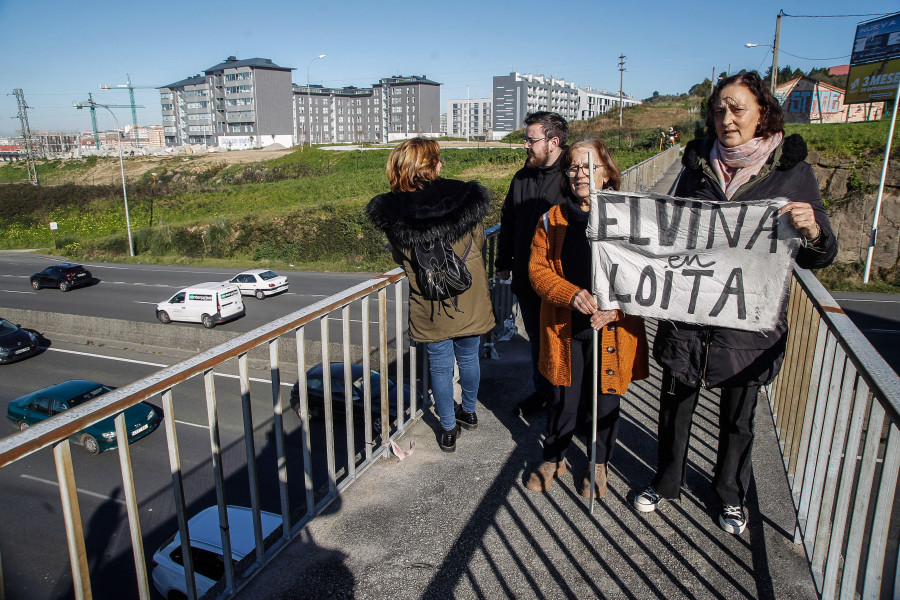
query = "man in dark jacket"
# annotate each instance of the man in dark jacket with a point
(534, 189)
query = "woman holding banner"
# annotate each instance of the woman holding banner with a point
(748, 159)
(560, 272)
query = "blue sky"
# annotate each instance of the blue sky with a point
(59, 51)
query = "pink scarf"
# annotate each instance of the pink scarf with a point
(735, 166)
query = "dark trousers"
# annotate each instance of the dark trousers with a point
(677, 403)
(564, 410)
(530, 305)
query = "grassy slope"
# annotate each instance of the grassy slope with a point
(305, 207)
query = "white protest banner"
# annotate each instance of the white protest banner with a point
(711, 263)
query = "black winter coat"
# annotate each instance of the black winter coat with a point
(723, 357)
(444, 209)
(531, 193)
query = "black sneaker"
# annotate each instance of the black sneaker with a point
(733, 519)
(448, 439)
(468, 420)
(533, 404)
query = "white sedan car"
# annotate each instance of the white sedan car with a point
(206, 549)
(260, 283)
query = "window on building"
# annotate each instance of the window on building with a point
(167, 107)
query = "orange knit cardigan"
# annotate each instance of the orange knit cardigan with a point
(623, 342)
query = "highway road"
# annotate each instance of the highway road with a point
(878, 318)
(39, 568)
(131, 292)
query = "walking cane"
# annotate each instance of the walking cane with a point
(595, 340)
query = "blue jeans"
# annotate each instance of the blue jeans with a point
(440, 362)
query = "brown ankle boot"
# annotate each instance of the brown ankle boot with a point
(541, 478)
(600, 479)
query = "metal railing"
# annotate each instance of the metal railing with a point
(836, 405)
(355, 456)
(271, 342)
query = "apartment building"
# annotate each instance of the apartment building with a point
(234, 104)
(469, 117)
(592, 103)
(516, 95)
(395, 108)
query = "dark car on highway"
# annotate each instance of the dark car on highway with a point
(16, 343)
(140, 419)
(65, 276)
(315, 389)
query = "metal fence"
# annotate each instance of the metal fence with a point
(344, 460)
(836, 405)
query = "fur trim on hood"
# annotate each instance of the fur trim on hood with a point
(791, 153)
(444, 209)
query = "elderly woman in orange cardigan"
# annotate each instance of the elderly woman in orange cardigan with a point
(560, 271)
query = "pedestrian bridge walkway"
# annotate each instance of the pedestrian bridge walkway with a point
(463, 525)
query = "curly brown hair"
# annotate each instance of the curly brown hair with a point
(771, 119)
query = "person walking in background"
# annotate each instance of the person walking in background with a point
(560, 270)
(745, 156)
(533, 190)
(424, 210)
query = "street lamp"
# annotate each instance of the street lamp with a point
(308, 108)
(92, 104)
(774, 47)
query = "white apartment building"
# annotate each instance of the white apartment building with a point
(469, 117)
(518, 95)
(592, 103)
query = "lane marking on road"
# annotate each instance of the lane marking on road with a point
(192, 424)
(881, 330)
(142, 302)
(79, 490)
(151, 364)
(128, 360)
(17, 292)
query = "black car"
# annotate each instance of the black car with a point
(315, 387)
(16, 343)
(65, 276)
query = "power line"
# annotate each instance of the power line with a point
(807, 58)
(833, 16)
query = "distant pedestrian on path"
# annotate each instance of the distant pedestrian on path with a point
(745, 156)
(560, 270)
(534, 189)
(423, 210)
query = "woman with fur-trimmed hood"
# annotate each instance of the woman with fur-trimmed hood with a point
(422, 208)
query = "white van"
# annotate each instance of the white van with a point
(207, 303)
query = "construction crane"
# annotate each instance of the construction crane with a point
(131, 87)
(90, 103)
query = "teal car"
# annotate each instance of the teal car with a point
(140, 419)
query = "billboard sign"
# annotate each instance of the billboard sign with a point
(873, 82)
(877, 40)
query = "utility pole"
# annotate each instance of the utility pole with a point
(28, 140)
(775, 51)
(621, 95)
